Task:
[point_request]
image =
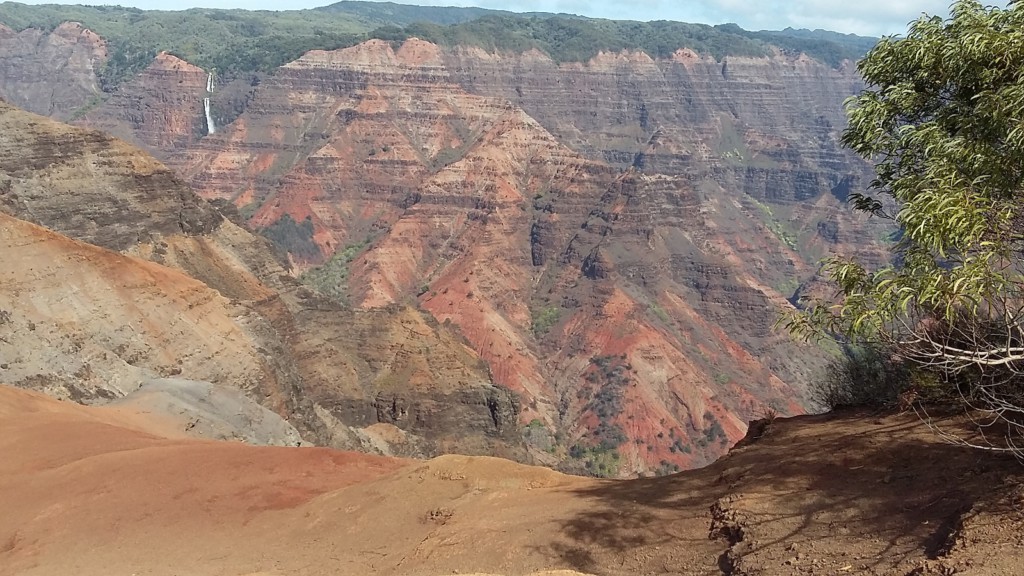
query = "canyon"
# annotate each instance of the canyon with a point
(575, 264)
(399, 306)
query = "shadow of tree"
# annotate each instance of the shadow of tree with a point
(871, 492)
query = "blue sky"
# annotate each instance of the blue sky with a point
(866, 17)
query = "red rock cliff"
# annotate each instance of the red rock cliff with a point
(614, 238)
(629, 309)
(149, 281)
(161, 108)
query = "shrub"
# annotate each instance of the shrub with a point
(865, 376)
(544, 319)
(939, 119)
(294, 237)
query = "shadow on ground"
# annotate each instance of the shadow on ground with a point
(861, 491)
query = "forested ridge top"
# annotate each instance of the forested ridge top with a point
(241, 41)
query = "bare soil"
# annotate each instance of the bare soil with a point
(106, 491)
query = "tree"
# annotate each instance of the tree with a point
(942, 119)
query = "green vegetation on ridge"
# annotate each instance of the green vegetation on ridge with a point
(225, 40)
(390, 13)
(579, 39)
(243, 41)
(331, 278)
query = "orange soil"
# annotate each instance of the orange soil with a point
(90, 491)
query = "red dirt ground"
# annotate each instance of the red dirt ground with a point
(102, 491)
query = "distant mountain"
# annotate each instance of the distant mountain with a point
(237, 42)
(859, 43)
(384, 13)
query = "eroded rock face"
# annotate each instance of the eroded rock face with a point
(765, 126)
(89, 324)
(92, 187)
(613, 239)
(157, 283)
(54, 73)
(630, 306)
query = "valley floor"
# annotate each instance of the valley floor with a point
(116, 491)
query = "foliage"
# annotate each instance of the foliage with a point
(865, 376)
(830, 47)
(384, 13)
(665, 468)
(942, 118)
(293, 237)
(237, 42)
(266, 53)
(598, 461)
(222, 40)
(536, 423)
(96, 100)
(659, 312)
(597, 452)
(579, 39)
(607, 379)
(330, 278)
(545, 318)
(780, 230)
(713, 432)
(861, 44)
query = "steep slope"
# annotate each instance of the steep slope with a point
(121, 198)
(96, 491)
(100, 323)
(54, 74)
(212, 304)
(631, 309)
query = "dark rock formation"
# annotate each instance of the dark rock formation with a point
(54, 74)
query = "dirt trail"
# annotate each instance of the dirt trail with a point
(98, 491)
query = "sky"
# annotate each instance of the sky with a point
(864, 17)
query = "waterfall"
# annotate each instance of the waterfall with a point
(210, 128)
(209, 118)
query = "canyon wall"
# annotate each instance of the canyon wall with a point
(612, 241)
(623, 283)
(54, 74)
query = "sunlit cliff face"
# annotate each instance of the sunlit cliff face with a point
(554, 216)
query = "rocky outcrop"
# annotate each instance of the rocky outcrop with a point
(204, 410)
(120, 198)
(87, 324)
(781, 113)
(51, 73)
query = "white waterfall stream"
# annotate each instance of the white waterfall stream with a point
(210, 128)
